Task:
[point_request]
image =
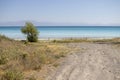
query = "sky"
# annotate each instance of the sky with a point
(60, 12)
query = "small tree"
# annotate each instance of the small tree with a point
(30, 30)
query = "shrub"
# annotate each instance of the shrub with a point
(31, 32)
(54, 41)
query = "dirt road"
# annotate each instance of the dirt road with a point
(93, 62)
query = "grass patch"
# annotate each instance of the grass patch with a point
(71, 40)
(3, 37)
(111, 41)
(12, 75)
(32, 78)
(3, 59)
(24, 56)
(78, 40)
(56, 65)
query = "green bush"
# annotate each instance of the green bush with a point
(31, 32)
(13, 75)
(54, 41)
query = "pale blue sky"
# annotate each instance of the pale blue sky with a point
(96, 12)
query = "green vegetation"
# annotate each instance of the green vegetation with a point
(31, 32)
(78, 40)
(3, 59)
(2, 37)
(12, 75)
(111, 41)
(32, 78)
(71, 40)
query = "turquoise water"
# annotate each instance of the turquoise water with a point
(65, 31)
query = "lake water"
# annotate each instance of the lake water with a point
(53, 32)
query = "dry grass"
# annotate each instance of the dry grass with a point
(29, 57)
(72, 40)
(22, 56)
(77, 40)
(111, 41)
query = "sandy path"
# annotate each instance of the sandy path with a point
(95, 62)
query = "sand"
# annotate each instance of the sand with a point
(93, 62)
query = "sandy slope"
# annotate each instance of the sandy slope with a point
(94, 62)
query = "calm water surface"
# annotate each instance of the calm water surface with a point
(64, 31)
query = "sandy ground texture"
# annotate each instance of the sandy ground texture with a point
(93, 62)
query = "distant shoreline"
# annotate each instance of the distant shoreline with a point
(87, 38)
